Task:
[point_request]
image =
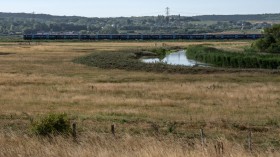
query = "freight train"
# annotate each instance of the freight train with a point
(140, 36)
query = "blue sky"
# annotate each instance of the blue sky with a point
(115, 8)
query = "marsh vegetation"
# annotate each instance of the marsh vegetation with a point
(222, 58)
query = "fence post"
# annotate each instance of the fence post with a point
(250, 141)
(202, 137)
(74, 130)
(113, 129)
(219, 148)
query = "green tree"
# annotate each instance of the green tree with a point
(271, 41)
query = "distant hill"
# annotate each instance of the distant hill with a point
(256, 17)
(253, 17)
(28, 23)
(24, 15)
(31, 15)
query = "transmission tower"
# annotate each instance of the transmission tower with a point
(167, 11)
(167, 16)
(32, 19)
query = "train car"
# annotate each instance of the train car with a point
(92, 37)
(146, 37)
(39, 37)
(253, 36)
(197, 37)
(104, 37)
(167, 37)
(240, 36)
(258, 36)
(182, 36)
(71, 37)
(27, 37)
(56, 37)
(84, 37)
(209, 37)
(115, 37)
(229, 36)
(155, 37)
(123, 37)
(150, 37)
(135, 37)
(119, 37)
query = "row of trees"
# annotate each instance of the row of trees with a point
(21, 23)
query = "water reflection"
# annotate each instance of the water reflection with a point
(176, 58)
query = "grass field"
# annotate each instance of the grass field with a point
(156, 114)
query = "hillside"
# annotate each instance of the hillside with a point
(24, 23)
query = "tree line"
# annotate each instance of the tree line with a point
(23, 23)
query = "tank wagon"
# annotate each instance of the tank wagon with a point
(141, 36)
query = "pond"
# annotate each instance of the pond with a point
(176, 58)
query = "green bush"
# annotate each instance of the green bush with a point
(274, 48)
(271, 41)
(161, 52)
(53, 124)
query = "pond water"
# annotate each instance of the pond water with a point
(176, 58)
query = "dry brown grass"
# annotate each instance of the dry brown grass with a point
(41, 78)
(107, 146)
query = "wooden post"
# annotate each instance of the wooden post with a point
(74, 131)
(219, 148)
(202, 137)
(222, 147)
(250, 141)
(113, 129)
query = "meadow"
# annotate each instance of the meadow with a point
(156, 113)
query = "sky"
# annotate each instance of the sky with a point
(127, 8)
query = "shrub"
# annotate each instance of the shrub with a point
(274, 48)
(271, 41)
(53, 124)
(161, 52)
